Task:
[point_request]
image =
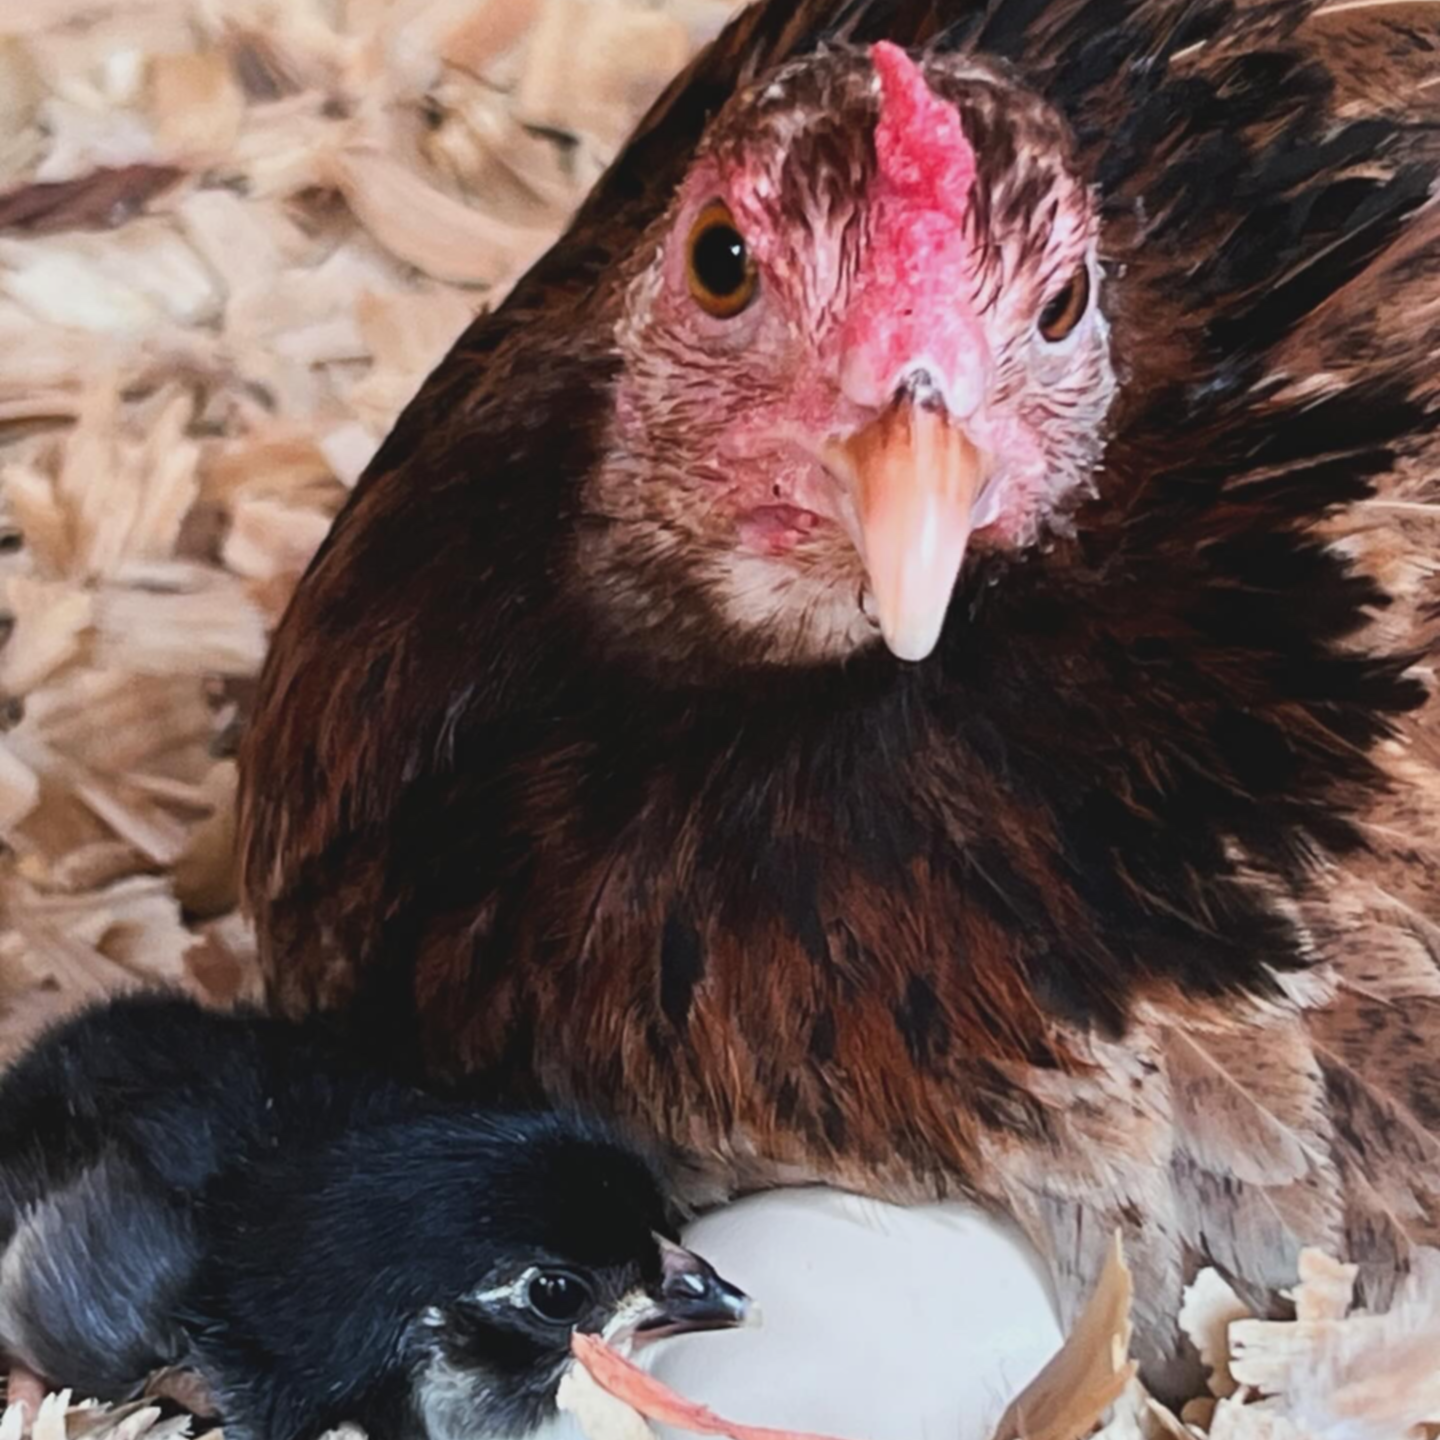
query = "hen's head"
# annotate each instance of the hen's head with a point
(864, 340)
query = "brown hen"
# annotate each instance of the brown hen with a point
(899, 655)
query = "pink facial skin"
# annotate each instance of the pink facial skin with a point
(869, 277)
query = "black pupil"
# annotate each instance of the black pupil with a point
(557, 1297)
(719, 260)
(1057, 309)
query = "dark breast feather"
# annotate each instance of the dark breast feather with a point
(870, 924)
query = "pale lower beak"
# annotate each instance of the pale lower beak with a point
(914, 477)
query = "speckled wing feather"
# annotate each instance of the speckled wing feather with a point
(1316, 1119)
(1122, 908)
(1375, 1036)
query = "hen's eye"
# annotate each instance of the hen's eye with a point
(717, 265)
(557, 1297)
(1066, 307)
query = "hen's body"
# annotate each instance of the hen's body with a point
(1116, 909)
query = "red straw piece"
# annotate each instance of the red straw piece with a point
(628, 1382)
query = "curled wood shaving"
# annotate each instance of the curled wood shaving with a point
(1088, 1374)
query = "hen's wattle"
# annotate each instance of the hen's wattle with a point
(582, 764)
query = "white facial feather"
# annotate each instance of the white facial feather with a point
(826, 622)
(450, 1397)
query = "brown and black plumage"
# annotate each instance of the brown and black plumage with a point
(583, 761)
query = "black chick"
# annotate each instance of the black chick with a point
(244, 1198)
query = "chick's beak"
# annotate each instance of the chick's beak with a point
(913, 476)
(691, 1296)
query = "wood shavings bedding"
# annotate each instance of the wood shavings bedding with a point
(235, 235)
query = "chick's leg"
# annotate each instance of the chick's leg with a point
(24, 1387)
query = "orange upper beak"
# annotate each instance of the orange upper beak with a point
(914, 476)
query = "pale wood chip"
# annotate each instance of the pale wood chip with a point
(1326, 1289)
(1209, 1308)
(19, 789)
(135, 279)
(30, 497)
(195, 105)
(1087, 1374)
(214, 627)
(1235, 1420)
(243, 241)
(268, 538)
(21, 92)
(50, 1422)
(429, 229)
(466, 34)
(51, 619)
(93, 866)
(598, 65)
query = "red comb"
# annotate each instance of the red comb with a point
(919, 141)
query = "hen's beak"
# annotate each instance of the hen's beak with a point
(914, 476)
(690, 1296)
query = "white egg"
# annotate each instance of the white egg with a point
(878, 1322)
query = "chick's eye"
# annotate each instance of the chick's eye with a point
(1066, 307)
(557, 1297)
(718, 267)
